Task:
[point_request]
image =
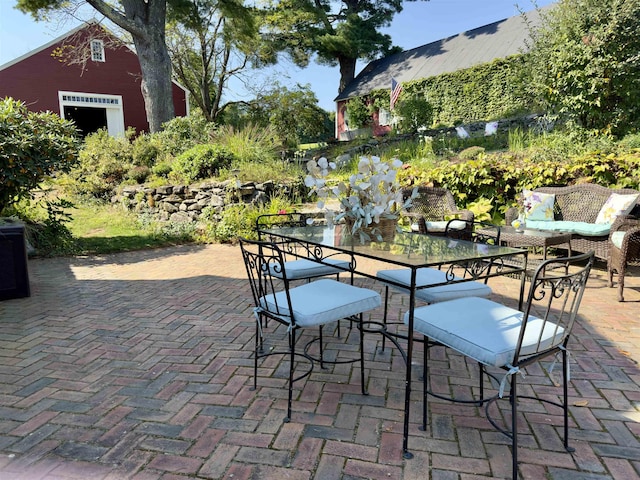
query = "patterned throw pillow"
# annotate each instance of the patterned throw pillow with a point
(538, 206)
(616, 205)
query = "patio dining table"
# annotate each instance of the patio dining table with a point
(461, 260)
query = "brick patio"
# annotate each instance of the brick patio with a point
(138, 366)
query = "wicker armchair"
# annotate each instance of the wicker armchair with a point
(624, 249)
(432, 209)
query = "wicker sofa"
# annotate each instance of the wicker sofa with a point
(581, 203)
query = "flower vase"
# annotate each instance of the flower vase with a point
(385, 229)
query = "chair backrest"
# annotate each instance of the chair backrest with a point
(433, 203)
(291, 249)
(264, 262)
(475, 231)
(276, 220)
(552, 305)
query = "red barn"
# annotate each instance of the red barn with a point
(99, 88)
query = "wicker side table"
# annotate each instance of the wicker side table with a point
(534, 238)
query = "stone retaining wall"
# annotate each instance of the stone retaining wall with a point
(185, 203)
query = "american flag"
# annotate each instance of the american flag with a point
(396, 88)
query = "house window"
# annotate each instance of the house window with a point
(97, 51)
(384, 117)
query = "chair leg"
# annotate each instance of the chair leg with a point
(425, 376)
(565, 394)
(362, 380)
(292, 351)
(610, 273)
(481, 371)
(514, 428)
(258, 349)
(384, 316)
(321, 344)
(621, 285)
(338, 329)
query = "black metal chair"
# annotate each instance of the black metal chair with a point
(298, 268)
(400, 279)
(312, 304)
(500, 337)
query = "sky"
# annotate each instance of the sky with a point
(419, 23)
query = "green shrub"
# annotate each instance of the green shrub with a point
(181, 133)
(630, 142)
(471, 153)
(239, 220)
(358, 112)
(139, 174)
(414, 113)
(33, 146)
(146, 149)
(202, 161)
(249, 144)
(502, 176)
(104, 164)
(162, 169)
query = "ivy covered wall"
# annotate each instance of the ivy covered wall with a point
(490, 91)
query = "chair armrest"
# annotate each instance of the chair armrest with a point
(510, 215)
(630, 247)
(624, 223)
(466, 215)
(416, 218)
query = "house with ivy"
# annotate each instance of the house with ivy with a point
(468, 77)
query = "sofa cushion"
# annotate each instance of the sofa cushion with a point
(616, 205)
(580, 228)
(538, 206)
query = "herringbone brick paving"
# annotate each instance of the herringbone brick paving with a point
(138, 366)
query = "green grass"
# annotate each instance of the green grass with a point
(99, 228)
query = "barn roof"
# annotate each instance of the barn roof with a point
(70, 33)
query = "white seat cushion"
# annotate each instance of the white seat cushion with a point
(483, 330)
(322, 301)
(431, 276)
(304, 268)
(440, 226)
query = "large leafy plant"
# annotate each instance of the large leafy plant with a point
(32, 147)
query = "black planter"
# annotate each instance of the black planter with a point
(14, 277)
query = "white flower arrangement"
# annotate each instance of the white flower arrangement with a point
(372, 194)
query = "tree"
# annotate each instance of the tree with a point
(34, 145)
(145, 21)
(413, 113)
(294, 114)
(337, 32)
(359, 112)
(211, 41)
(584, 63)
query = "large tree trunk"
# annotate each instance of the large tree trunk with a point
(156, 76)
(347, 71)
(145, 21)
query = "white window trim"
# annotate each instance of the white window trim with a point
(97, 53)
(111, 103)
